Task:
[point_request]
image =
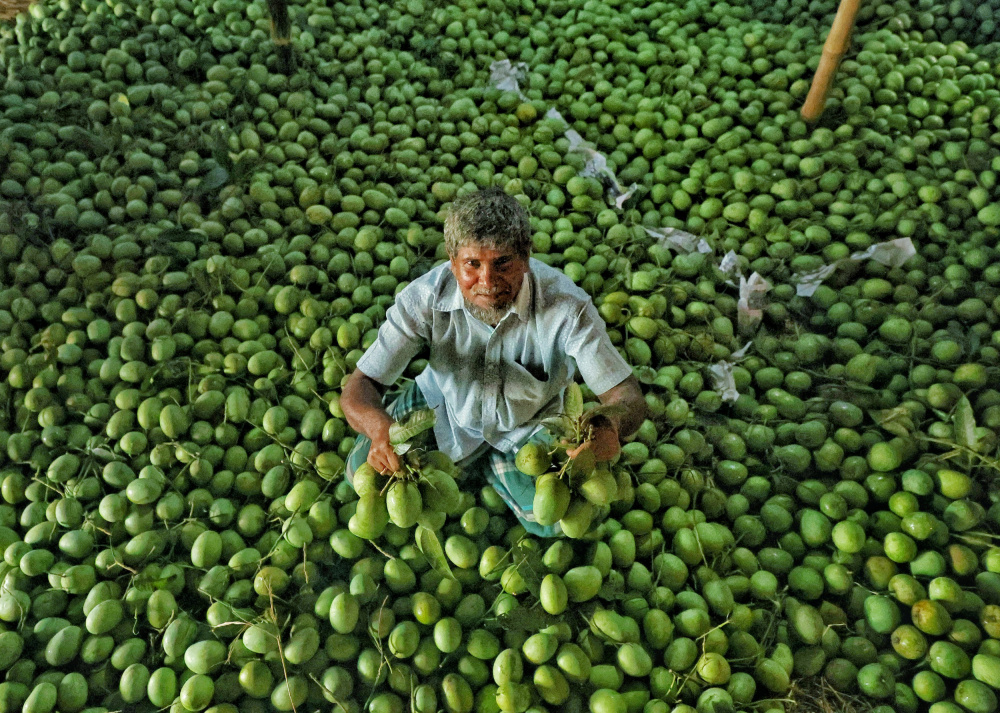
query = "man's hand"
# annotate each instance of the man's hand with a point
(361, 401)
(606, 440)
(604, 444)
(381, 455)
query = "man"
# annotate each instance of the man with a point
(506, 335)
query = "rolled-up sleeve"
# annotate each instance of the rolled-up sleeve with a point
(405, 331)
(599, 363)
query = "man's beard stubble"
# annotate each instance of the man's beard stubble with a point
(491, 315)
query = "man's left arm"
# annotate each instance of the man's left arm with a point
(610, 377)
(619, 424)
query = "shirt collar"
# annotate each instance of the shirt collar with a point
(528, 297)
(522, 305)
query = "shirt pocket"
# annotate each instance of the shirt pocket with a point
(523, 396)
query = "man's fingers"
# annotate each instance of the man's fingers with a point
(381, 464)
(384, 465)
(383, 459)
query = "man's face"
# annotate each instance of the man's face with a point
(489, 280)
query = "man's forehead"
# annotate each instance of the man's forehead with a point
(484, 253)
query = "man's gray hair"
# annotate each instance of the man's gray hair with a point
(489, 218)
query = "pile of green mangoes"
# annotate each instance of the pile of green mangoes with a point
(423, 492)
(574, 492)
(197, 246)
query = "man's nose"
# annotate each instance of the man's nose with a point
(487, 277)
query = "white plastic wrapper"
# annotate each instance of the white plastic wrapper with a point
(507, 76)
(679, 241)
(730, 267)
(742, 351)
(553, 113)
(723, 381)
(892, 253)
(750, 307)
(810, 281)
(753, 291)
(622, 197)
(597, 167)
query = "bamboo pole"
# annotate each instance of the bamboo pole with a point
(9, 9)
(281, 30)
(833, 51)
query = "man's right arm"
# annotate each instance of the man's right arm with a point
(407, 328)
(361, 401)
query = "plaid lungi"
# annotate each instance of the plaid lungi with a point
(499, 470)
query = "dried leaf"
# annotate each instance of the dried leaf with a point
(213, 180)
(964, 421)
(613, 589)
(897, 421)
(959, 335)
(558, 426)
(573, 407)
(530, 567)
(526, 620)
(104, 454)
(175, 235)
(429, 545)
(220, 147)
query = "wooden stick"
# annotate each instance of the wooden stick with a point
(9, 9)
(281, 30)
(833, 51)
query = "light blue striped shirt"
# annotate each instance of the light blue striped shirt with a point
(493, 385)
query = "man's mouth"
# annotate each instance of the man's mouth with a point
(491, 295)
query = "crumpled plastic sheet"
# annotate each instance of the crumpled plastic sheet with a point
(742, 351)
(723, 380)
(679, 241)
(507, 76)
(597, 166)
(892, 253)
(730, 267)
(753, 300)
(753, 291)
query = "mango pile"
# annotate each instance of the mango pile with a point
(574, 492)
(199, 238)
(423, 492)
